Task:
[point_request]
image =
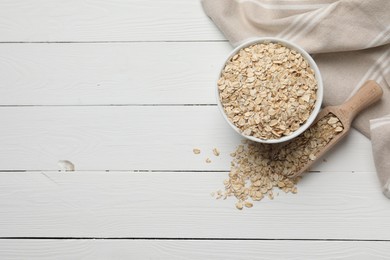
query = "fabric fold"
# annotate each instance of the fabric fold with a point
(380, 129)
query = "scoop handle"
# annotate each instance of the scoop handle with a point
(367, 95)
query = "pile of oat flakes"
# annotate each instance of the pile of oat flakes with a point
(267, 90)
(258, 168)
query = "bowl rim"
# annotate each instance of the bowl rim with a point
(312, 64)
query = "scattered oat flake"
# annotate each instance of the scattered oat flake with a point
(216, 152)
(208, 160)
(196, 151)
(248, 204)
(239, 205)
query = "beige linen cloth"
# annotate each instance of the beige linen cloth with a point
(349, 39)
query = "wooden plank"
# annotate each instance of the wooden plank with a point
(105, 74)
(136, 138)
(330, 205)
(189, 249)
(120, 20)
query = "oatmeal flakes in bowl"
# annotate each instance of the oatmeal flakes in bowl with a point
(269, 90)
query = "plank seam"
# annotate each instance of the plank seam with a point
(129, 171)
(87, 42)
(114, 105)
(146, 171)
(201, 238)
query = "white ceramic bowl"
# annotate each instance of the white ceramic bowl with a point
(312, 64)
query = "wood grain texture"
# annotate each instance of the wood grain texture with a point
(96, 20)
(329, 205)
(157, 249)
(105, 74)
(137, 138)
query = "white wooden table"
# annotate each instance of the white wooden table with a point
(124, 90)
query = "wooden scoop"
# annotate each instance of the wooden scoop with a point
(367, 95)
